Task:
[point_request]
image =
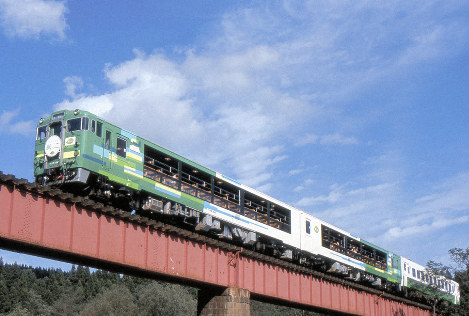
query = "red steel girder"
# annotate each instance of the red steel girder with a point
(36, 223)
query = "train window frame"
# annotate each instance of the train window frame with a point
(99, 129)
(85, 122)
(41, 132)
(121, 147)
(74, 124)
(78, 124)
(308, 227)
(53, 129)
(57, 116)
(107, 142)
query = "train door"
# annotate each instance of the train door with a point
(107, 152)
(307, 232)
(54, 145)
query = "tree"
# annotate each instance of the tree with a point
(460, 273)
(461, 258)
(117, 301)
(32, 305)
(161, 299)
(266, 309)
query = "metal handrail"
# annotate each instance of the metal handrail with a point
(168, 176)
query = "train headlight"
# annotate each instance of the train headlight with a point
(76, 112)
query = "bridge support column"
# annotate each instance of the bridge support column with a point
(223, 302)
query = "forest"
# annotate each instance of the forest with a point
(84, 291)
(81, 291)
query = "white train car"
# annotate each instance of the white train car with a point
(416, 276)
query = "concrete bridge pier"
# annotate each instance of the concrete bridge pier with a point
(223, 302)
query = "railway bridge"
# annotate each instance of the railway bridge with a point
(50, 223)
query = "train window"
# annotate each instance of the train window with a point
(56, 129)
(198, 183)
(74, 124)
(418, 274)
(107, 143)
(58, 115)
(41, 132)
(413, 272)
(121, 148)
(93, 126)
(99, 129)
(308, 227)
(84, 124)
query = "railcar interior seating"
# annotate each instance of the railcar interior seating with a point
(350, 247)
(178, 175)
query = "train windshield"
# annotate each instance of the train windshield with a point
(56, 129)
(76, 124)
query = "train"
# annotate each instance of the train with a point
(86, 155)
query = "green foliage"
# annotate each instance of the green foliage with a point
(35, 291)
(460, 257)
(115, 301)
(460, 274)
(265, 309)
(161, 299)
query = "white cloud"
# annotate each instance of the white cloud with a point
(450, 196)
(269, 74)
(436, 224)
(72, 84)
(447, 206)
(295, 172)
(329, 139)
(154, 97)
(33, 18)
(8, 125)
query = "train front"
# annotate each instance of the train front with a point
(58, 142)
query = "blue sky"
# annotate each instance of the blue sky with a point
(354, 111)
